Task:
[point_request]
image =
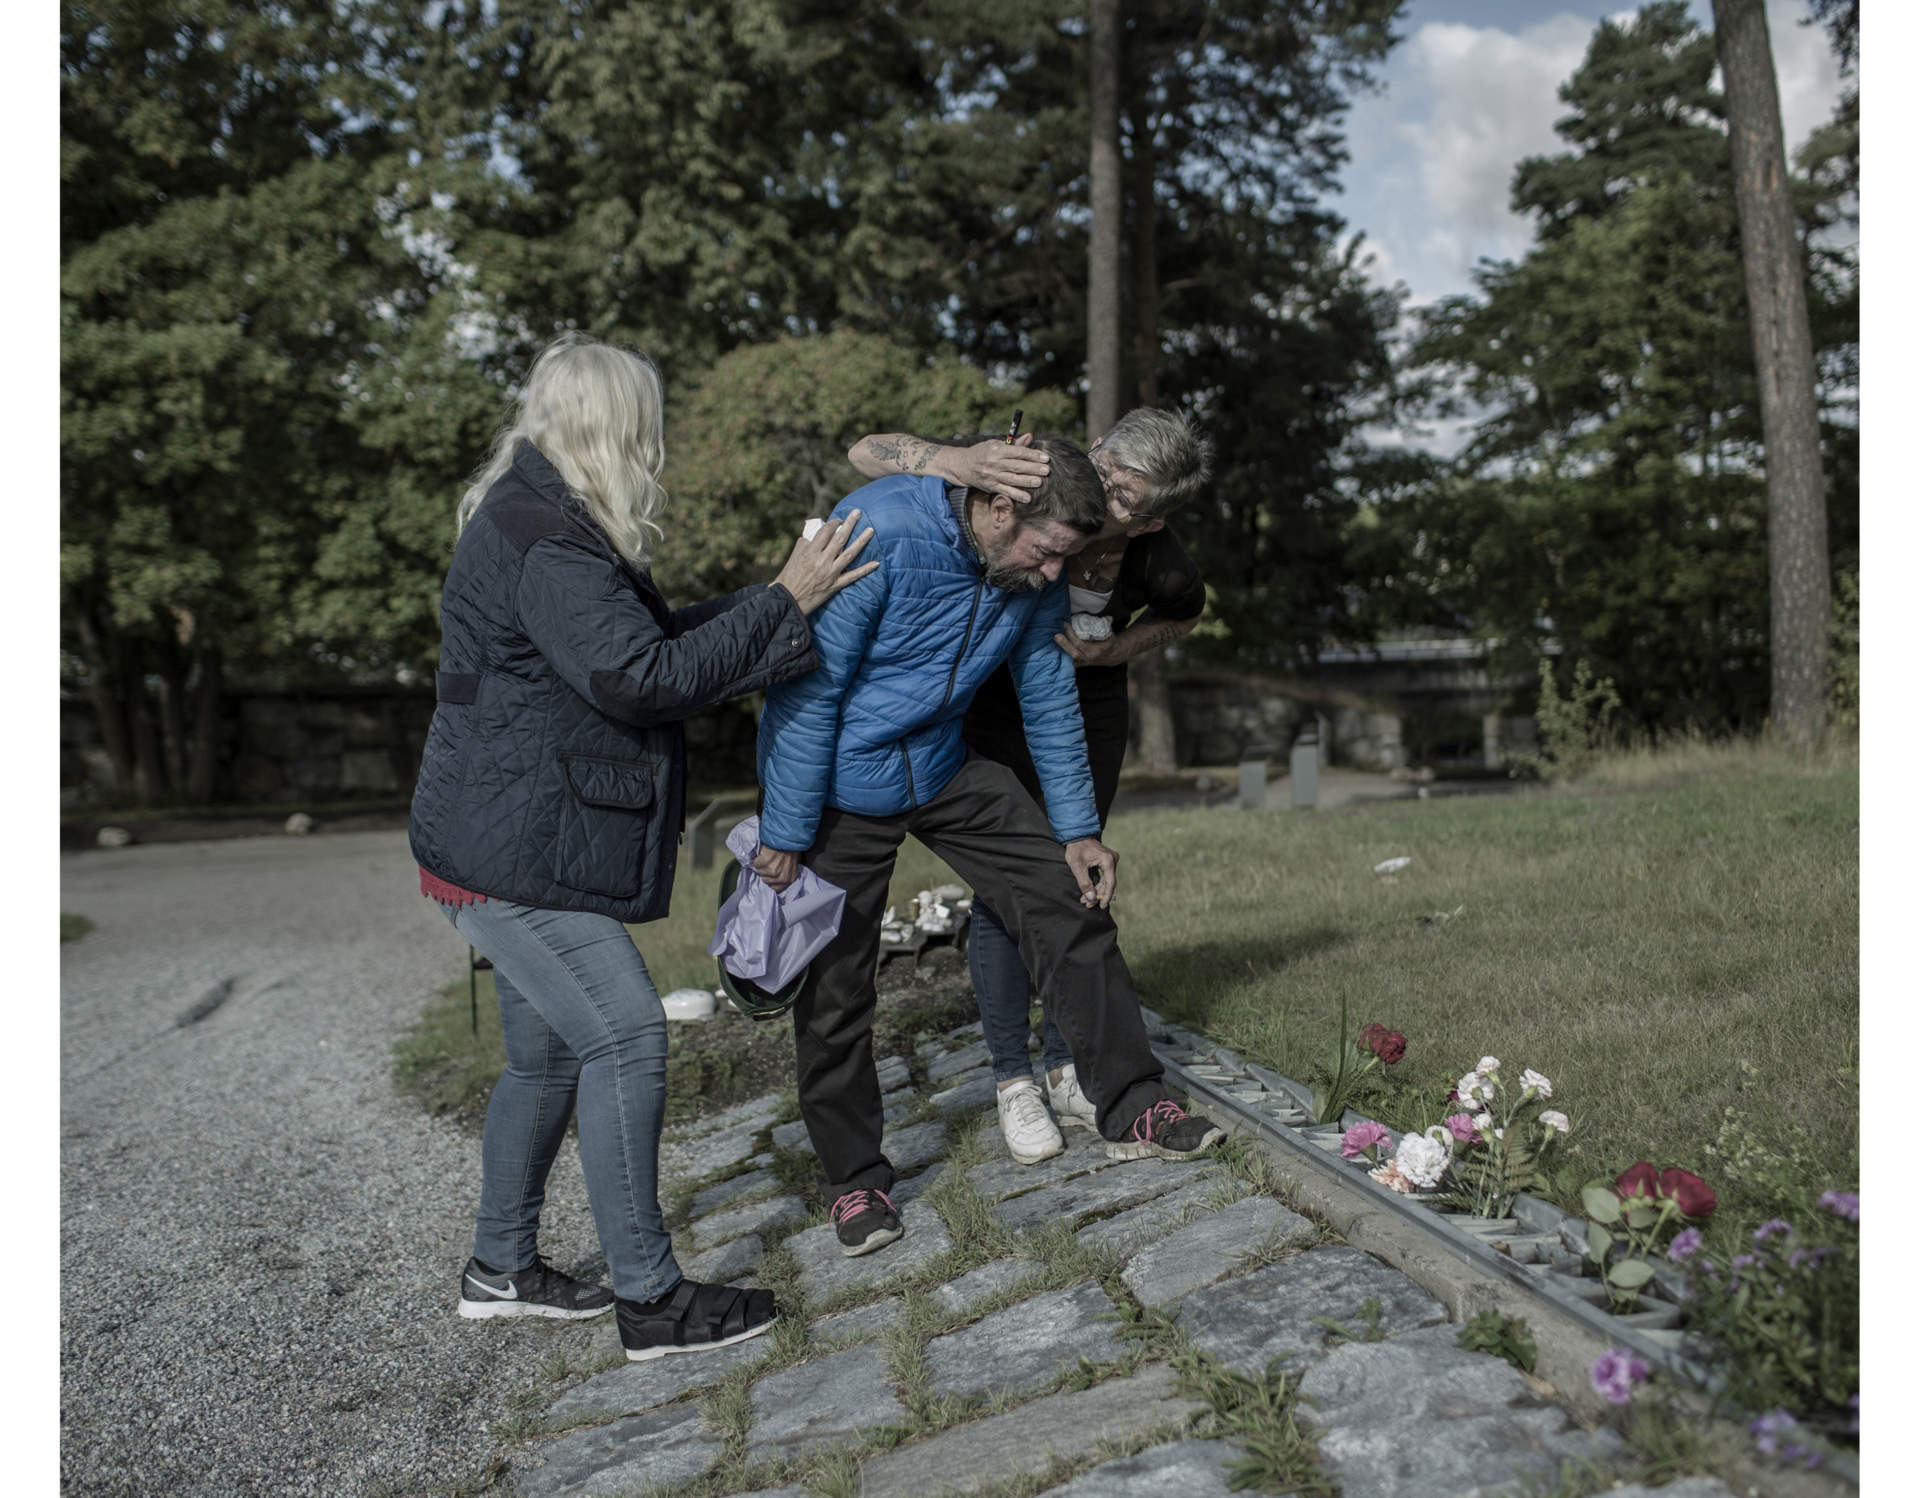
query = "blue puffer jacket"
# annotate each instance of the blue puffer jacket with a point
(876, 730)
(555, 772)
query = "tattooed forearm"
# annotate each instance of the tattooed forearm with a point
(903, 454)
(1152, 634)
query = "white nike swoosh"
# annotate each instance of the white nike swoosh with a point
(512, 1292)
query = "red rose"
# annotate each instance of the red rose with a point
(1392, 1046)
(1638, 1179)
(1688, 1192)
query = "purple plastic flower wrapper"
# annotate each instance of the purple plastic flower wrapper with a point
(770, 938)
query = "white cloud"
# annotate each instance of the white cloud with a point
(1433, 158)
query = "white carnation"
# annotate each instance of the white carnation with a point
(1471, 1087)
(1483, 1121)
(1552, 1119)
(1488, 1064)
(1532, 1081)
(1421, 1160)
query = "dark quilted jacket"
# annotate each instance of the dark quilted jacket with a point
(554, 772)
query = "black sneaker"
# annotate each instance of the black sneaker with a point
(539, 1290)
(1166, 1131)
(866, 1220)
(692, 1317)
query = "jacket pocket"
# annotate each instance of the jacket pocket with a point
(600, 842)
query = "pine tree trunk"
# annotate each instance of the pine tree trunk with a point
(1108, 193)
(206, 727)
(173, 719)
(1147, 676)
(102, 684)
(1783, 357)
(149, 773)
(1146, 267)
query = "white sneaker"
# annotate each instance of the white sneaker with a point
(1030, 1134)
(1071, 1106)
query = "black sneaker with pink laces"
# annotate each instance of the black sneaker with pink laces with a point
(865, 1220)
(1166, 1131)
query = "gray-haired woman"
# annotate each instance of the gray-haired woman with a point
(549, 806)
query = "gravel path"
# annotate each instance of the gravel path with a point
(259, 1240)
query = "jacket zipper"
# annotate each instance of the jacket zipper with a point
(965, 640)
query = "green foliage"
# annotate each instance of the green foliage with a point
(1782, 1318)
(1613, 497)
(1623, 1236)
(1503, 1336)
(1843, 660)
(760, 443)
(1575, 729)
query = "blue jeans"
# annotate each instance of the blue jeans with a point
(1005, 995)
(583, 1027)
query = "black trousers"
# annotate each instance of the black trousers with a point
(994, 836)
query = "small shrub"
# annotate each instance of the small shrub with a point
(1575, 729)
(1783, 1316)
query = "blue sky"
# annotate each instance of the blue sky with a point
(1469, 92)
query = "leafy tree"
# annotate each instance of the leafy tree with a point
(760, 444)
(1610, 497)
(218, 229)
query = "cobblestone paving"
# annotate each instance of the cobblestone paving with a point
(1053, 1328)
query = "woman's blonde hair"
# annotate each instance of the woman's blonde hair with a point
(594, 412)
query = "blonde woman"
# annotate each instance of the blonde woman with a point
(548, 808)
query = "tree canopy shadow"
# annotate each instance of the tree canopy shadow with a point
(1195, 975)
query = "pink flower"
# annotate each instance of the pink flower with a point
(1461, 1126)
(1389, 1175)
(1362, 1140)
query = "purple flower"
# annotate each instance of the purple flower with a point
(1615, 1372)
(1685, 1245)
(1842, 1204)
(1771, 1226)
(1744, 1261)
(1769, 1432)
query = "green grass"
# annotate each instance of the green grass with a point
(1634, 944)
(1675, 936)
(73, 927)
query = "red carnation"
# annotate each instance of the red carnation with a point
(1391, 1047)
(1688, 1192)
(1371, 1037)
(1638, 1179)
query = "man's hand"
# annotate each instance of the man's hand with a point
(1009, 468)
(778, 868)
(1108, 652)
(1088, 857)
